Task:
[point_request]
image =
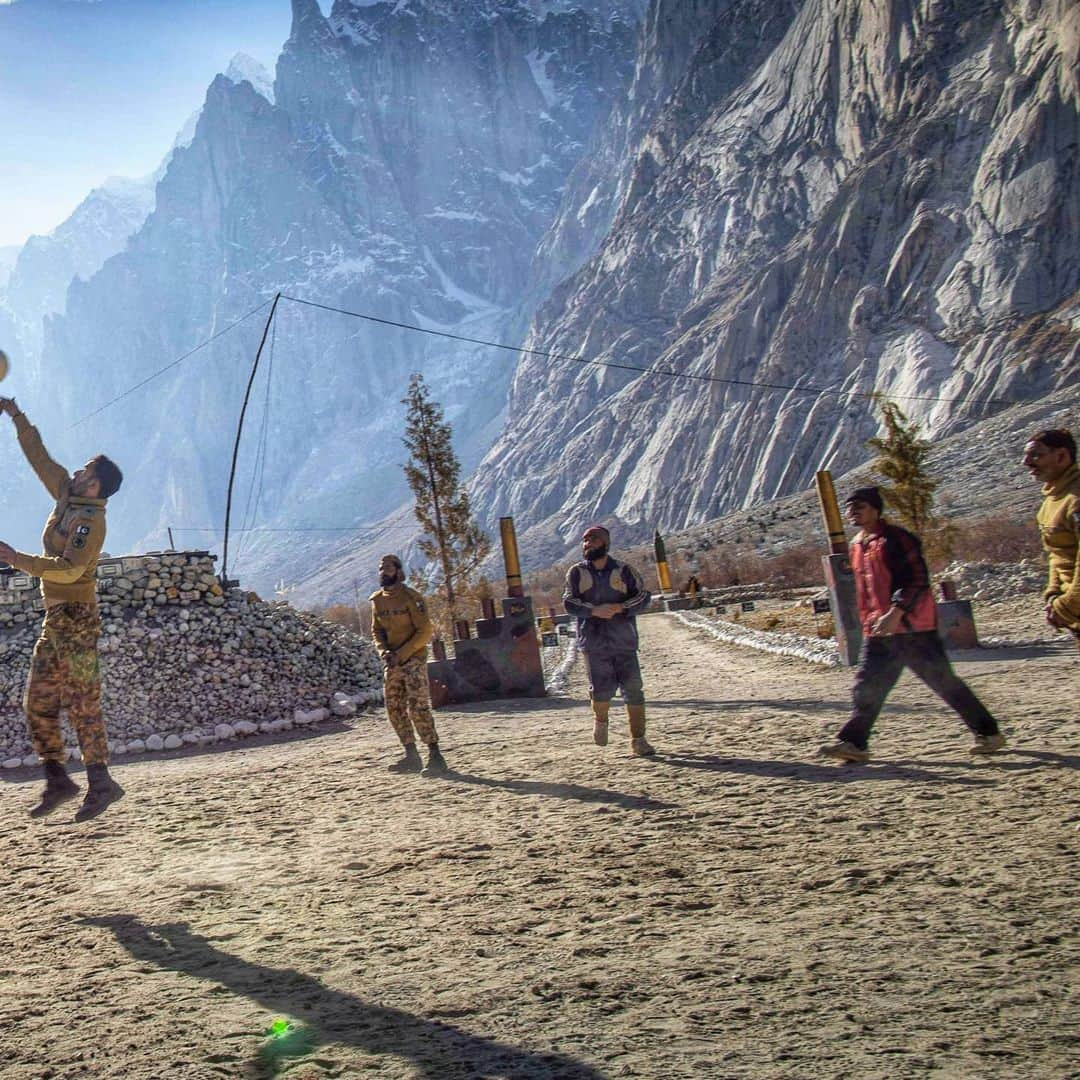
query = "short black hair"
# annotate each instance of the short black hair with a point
(1057, 439)
(108, 475)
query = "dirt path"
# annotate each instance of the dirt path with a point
(729, 909)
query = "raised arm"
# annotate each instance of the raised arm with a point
(52, 475)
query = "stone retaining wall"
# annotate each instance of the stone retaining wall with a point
(185, 662)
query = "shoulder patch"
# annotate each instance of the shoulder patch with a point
(83, 530)
(78, 541)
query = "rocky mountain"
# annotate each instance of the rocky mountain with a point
(411, 158)
(834, 199)
(721, 231)
(8, 255)
(45, 265)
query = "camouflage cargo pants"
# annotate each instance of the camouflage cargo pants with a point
(64, 675)
(408, 701)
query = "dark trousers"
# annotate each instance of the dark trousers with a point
(882, 661)
(612, 671)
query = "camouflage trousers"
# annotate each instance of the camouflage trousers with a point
(408, 701)
(64, 675)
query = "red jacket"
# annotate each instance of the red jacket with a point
(890, 572)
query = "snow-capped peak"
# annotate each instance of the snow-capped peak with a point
(244, 68)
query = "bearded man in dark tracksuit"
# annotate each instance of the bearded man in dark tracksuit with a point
(606, 595)
(64, 673)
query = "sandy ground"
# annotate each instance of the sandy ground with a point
(731, 908)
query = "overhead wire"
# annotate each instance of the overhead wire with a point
(258, 475)
(666, 372)
(173, 363)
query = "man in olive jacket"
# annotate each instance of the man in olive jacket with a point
(64, 673)
(401, 629)
(1050, 457)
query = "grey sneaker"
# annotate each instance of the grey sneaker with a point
(845, 751)
(640, 747)
(988, 744)
(599, 732)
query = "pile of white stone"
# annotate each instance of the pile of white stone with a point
(990, 582)
(186, 663)
(815, 650)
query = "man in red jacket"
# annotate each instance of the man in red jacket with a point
(899, 623)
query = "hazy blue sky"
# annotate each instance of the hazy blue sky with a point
(98, 88)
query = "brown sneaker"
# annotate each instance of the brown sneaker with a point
(845, 751)
(988, 744)
(640, 747)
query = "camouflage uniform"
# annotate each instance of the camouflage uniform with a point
(408, 701)
(401, 628)
(64, 674)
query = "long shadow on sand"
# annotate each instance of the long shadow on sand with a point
(816, 774)
(562, 791)
(320, 1015)
(1012, 760)
(838, 707)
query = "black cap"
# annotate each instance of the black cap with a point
(869, 495)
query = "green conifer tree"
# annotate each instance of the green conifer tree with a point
(909, 489)
(450, 536)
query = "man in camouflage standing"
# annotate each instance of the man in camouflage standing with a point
(64, 673)
(401, 628)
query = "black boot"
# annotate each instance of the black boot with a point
(436, 763)
(102, 792)
(59, 787)
(410, 762)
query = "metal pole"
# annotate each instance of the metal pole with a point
(236, 445)
(838, 576)
(514, 586)
(172, 546)
(662, 573)
(830, 510)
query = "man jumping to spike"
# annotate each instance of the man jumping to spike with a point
(64, 672)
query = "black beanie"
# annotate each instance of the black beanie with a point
(869, 495)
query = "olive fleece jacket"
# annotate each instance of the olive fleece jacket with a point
(1059, 524)
(74, 534)
(400, 623)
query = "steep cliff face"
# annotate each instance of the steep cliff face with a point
(410, 160)
(835, 195)
(46, 265)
